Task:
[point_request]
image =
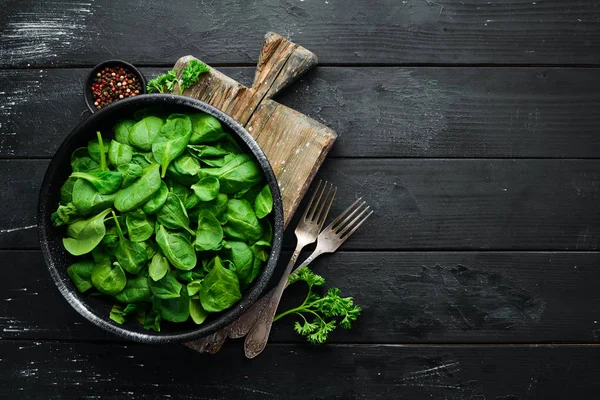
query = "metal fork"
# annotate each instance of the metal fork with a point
(306, 233)
(329, 240)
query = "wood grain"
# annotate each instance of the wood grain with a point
(294, 144)
(47, 370)
(340, 32)
(377, 112)
(408, 297)
(444, 204)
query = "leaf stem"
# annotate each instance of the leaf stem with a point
(102, 155)
(117, 224)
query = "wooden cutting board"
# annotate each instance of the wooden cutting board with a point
(294, 144)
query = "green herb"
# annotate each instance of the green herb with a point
(320, 314)
(191, 73)
(166, 82)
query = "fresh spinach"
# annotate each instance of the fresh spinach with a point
(263, 204)
(177, 248)
(139, 226)
(144, 133)
(108, 278)
(157, 200)
(105, 182)
(242, 223)
(173, 214)
(172, 141)
(130, 172)
(207, 188)
(158, 267)
(136, 290)
(241, 172)
(220, 289)
(84, 235)
(119, 154)
(130, 255)
(140, 191)
(81, 275)
(122, 129)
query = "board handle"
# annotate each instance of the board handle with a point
(280, 63)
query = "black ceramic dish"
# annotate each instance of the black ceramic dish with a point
(87, 93)
(96, 309)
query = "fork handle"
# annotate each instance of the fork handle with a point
(259, 333)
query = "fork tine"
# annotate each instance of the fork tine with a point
(308, 207)
(315, 206)
(326, 202)
(356, 227)
(343, 214)
(351, 223)
(343, 222)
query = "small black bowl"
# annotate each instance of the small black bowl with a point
(87, 92)
(97, 309)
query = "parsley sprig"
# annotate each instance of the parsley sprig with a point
(165, 83)
(324, 312)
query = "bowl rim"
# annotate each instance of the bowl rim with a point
(86, 89)
(77, 300)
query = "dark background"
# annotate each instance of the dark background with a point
(471, 127)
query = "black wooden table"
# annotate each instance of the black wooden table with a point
(470, 126)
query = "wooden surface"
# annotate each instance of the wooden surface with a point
(472, 129)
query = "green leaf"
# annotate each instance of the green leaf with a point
(173, 309)
(157, 200)
(82, 162)
(168, 287)
(152, 321)
(172, 140)
(217, 207)
(140, 191)
(84, 235)
(122, 129)
(66, 191)
(209, 234)
(191, 73)
(241, 224)
(177, 248)
(130, 172)
(207, 188)
(159, 266)
(144, 133)
(197, 313)
(105, 182)
(108, 278)
(139, 227)
(205, 129)
(186, 165)
(87, 200)
(119, 154)
(263, 205)
(136, 290)
(242, 258)
(94, 150)
(241, 172)
(81, 275)
(65, 215)
(194, 287)
(173, 214)
(220, 288)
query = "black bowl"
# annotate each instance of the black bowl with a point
(87, 92)
(96, 309)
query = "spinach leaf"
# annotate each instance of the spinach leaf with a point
(194, 287)
(263, 205)
(205, 129)
(151, 249)
(241, 224)
(220, 289)
(217, 207)
(197, 313)
(186, 165)
(108, 278)
(152, 321)
(65, 215)
(174, 175)
(209, 234)
(93, 149)
(175, 309)
(190, 202)
(144, 133)
(141, 159)
(202, 152)
(82, 162)
(172, 140)
(189, 276)
(157, 200)
(119, 154)
(99, 253)
(140, 191)
(87, 200)
(173, 215)
(111, 240)
(241, 256)
(168, 287)
(181, 190)
(66, 191)
(130, 255)
(122, 129)
(139, 226)
(136, 290)
(177, 248)
(207, 188)
(239, 173)
(130, 172)
(81, 275)
(105, 182)
(159, 266)
(84, 235)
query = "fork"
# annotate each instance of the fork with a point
(309, 226)
(329, 240)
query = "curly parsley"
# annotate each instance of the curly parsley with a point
(165, 83)
(324, 312)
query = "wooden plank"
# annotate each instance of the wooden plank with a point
(409, 31)
(377, 112)
(48, 370)
(459, 204)
(409, 297)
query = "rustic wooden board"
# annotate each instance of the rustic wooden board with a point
(294, 144)
(407, 297)
(453, 204)
(64, 33)
(382, 112)
(50, 370)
